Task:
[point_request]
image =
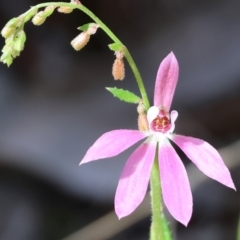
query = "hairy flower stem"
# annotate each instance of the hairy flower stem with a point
(110, 34)
(238, 229)
(159, 227)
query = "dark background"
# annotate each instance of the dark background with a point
(53, 106)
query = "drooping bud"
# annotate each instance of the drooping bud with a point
(13, 22)
(76, 2)
(141, 108)
(64, 9)
(10, 27)
(142, 117)
(38, 19)
(8, 52)
(82, 39)
(118, 69)
(32, 13)
(6, 59)
(48, 11)
(92, 28)
(7, 31)
(19, 41)
(41, 16)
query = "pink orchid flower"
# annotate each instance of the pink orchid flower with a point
(134, 179)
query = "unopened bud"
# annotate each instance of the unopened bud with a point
(141, 108)
(75, 2)
(10, 27)
(30, 14)
(38, 19)
(20, 41)
(5, 54)
(6, 59)
(119, 54)
(64, 9)
(9, 42)
(7, 31)
(142, 117)
(80, 41)
(143, 122)
(13, 22)
(118, 69)
(48, 11)
(92, 28)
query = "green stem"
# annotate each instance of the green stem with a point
(238, 229)
(159, 227)
(110, 34)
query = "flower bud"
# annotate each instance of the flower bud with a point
(80, 41)
(92, 28)
(38, 19)
(13, 22)
(9, 42)
(10, 27)
(64, 9)
(7, 31)
(141, 108)
(142, 117)
(48, 11)
(20, 41)
(7, 59)
(118, 69)
(6, 56)
(119, 54)
(75, 2)
(30, 14)
(143, 122)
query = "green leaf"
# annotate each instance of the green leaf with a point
(124, 95)
(116, 46)
(85, 27)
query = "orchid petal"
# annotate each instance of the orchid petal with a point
(176, 189)
(112, 143)
(206, 158)
(134, 180)
(174, 115)
(166, 82)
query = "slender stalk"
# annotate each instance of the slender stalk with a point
(238, 229)
(159, 227)
(110, 34)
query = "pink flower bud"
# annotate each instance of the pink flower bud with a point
(80, 41)
(64, 9)
(118, 69)
(48, 11)
(92, 29)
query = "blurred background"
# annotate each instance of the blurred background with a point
(53, 106)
